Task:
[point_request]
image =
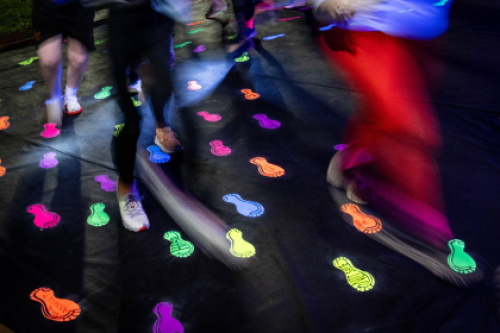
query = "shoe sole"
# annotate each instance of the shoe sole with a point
(163, 149)
(72, 113)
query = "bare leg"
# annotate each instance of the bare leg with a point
(77, 62)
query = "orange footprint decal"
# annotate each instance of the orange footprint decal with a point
(368, 224)
(4, 122)
(53, 308)
(267, 169)
(2, 170)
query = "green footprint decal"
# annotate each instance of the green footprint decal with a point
(181, 45)
(136, 102)
(358, 279)
(118, 130)
(179, 247)
(232, 37)
(28, 62)
(458, 260)
(244, 57)
(97, 42)
(98, 217)
(104, 93)
(195, 31)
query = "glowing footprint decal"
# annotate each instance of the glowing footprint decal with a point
(458, 260)
(209, 117)
(193, 85)
(244, 207)
(104, 93)
(243, 58)
(195, 31)
(53, 308)
(181, 45)
(28, 85)
(118, 130)
(239, 247)
(98, 217)
(4, 122)
(358, 279)
(273, 36)
(49, 161)
(43, 219)
(156, 155)
(367, 224)
(50, 131)
(179, 247)
(218, 149)
(266, 122)
(28, 62)
(2, 170)
(199, 49)
(267, 169)
(136, 102)
(97, 42)
(107, 184)
(249, 94)
(165, 322)
(341, 146)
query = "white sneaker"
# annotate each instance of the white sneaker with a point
(133, 216)
(71, 105)
(135, 88)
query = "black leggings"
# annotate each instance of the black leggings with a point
(243, 11)
(134, 34)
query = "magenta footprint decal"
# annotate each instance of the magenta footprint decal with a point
(218, 149)
(199, 49)
(209, 117)
(341, 146)
(49, 160)
(165, 322)
(266, 122)
(107, 184)
(43, 219)
(50, 131)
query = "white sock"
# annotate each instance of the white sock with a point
(53, 99)
(70, 92)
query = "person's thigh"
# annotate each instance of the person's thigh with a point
(50, 50)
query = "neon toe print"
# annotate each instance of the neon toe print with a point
(28, 85)
(104, 93)
(107, 184)
(195, 23)
(2, 170)
(53, 308)
(244, 207)
(193, 85)
(156, 155)
(50, 131)
(195, 31)
(49, 161)
(28, 62)
(181, 45)
(458, 260)
(243, 58)
(249, 94)
(4, 122)
(267, 169)
(179, 247)
(165, 322)
(239, 247)
(98, 217)
(199, 49)
(367, 224)
(358, 279)
(118, 130)
(97, 42)
(341, 146)
(43, 219)
(218, 149)
(266, 122)
(209, 117)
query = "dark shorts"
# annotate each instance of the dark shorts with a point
(71, 20)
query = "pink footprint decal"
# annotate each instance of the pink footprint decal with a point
(50, 131)
(43, 219)
(49, 161)
(209, 117)
(341, 146)
(265, 122)
(107, 184)
(166, 323)
(218, 149)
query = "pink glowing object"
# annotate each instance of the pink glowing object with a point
(290, 18)
(107, 184)
(265, 122)
(50, 131)
(200, 48)
(209, 117)
(166, 323)
(218, 149)
(341, 146)
(43, 219)
(49, 161)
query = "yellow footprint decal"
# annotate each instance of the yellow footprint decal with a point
(239, 247)
(358, 279)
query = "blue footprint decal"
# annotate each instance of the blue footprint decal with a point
(156, 155)
(27, 86)
(244, 207)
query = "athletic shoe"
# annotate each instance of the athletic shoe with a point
(135, 87)
(133, 216)
(71, 105)
(216, 9)
(166, 139)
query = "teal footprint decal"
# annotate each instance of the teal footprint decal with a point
(244, 207)
(98, 217)
(180, 248)
(458, 260)
(104, 93)
(156, 155)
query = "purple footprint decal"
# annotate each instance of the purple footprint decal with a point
(266, 122)
(166, 323)
(49, 161)
(107, 184)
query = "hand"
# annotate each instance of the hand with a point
(339, 10)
